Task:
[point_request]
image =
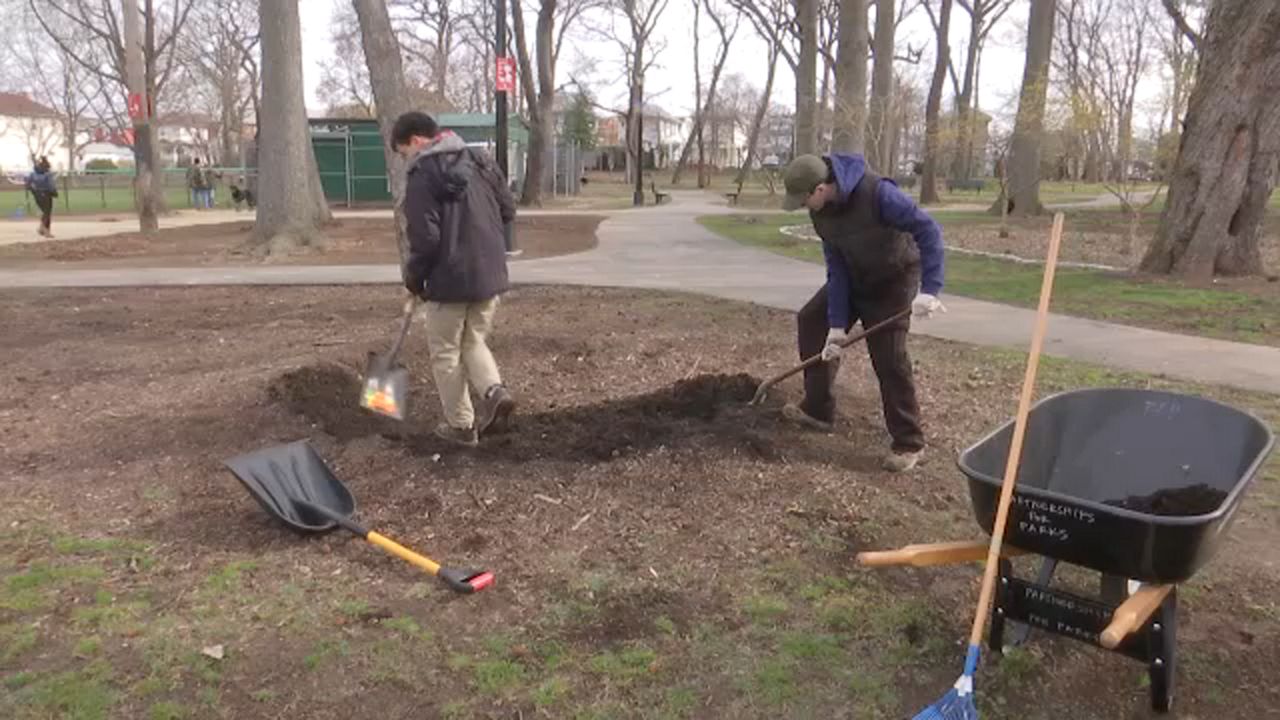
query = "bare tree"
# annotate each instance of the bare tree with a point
(880, 110)
(757, 121)
(983, 16)
(707, 107)
(1028, 132)
(218, 52)
(851, 78)
(57, 80)
(432, 29)
(291, 203)
(806, 20)
(381, 51)
(101, 28)
(933, 130)
(1226, 165)
(640, 49)
(345, 84)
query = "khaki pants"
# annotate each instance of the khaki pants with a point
(456, 336)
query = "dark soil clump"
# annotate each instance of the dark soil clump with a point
(1197, 499)
(329, 395)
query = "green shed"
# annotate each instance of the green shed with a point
(353, 168)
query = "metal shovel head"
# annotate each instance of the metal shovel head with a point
(385, 387)
(278, 475)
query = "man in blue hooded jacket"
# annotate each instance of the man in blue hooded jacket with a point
(883, 254)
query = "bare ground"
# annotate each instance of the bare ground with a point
(352, 241)
(661, 550)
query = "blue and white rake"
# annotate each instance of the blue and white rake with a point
(958, 703)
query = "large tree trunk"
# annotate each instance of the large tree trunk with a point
(807, 78)
(1226, 166)
(880, 114)
(152, 130)
(390, 96)
(753, 137)
(291, 205)
(962, 159)
(144, 186)
(1028, 129)
(851, 78)
(932, 141)
(541, 101)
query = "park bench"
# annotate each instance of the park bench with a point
(658, 197)
(972, 184)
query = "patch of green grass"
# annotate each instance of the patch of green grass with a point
(88, 647)
(1018, 665)
(406, 627)
(455, 709)
(765, 609)
(325, 651)
(679, 702)
(809, 646)
(109, 616)
(30, 589)
(498, 676)
(625, 666)
(775, 682)
(665, 625)
(873, 694)
(353, 608)
(551, 692)
(20, 680)
(74, 695)
(112, 547)
(16, 641)
(227, 578)
(167, 710)
(263, 696)
(822, 587)
(1120, 298)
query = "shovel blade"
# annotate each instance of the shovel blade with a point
(385, 389)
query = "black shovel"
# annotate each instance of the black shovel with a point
(385, 381)
(293, 483)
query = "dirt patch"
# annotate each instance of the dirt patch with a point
(651, 533)
(1198, 499)
(350, 241)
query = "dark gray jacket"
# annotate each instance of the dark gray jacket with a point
(456, 204)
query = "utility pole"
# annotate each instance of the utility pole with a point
(140, 111)
(504, 83)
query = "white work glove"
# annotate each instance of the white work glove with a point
(925, 305)
(832, 349)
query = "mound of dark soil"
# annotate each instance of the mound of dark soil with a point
(1197, 499)
(329, 396)
(702, 410)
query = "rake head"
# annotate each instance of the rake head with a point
(957, 704)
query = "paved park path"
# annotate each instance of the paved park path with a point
(664, 248)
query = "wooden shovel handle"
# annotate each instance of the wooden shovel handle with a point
(929, 554)
(1133, 614)
(764, 386)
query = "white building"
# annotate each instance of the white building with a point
(28, 128)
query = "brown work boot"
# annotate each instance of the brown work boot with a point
(901, 460)
(495, 410)
(796, 414)
(466, 437)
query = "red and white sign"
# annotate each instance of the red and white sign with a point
(135, 105)
(504, 78)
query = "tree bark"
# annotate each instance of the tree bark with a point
(390, 97)
(807, 78)
(1226, 166)
(291, 204)
(851, 78)
(932, 141)
(880, 113)
(144, 151)
(1028, 129)
(962, 159)
(540, 101)
(753, 137)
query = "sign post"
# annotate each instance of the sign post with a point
(504, 81)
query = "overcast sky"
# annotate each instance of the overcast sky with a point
(670, 83)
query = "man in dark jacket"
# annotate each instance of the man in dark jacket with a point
(457, 203)
(883, 254)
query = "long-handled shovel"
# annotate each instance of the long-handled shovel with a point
(763, 389)
(293, 484)
(958, 703)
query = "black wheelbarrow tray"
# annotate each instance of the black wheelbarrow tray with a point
(1138, 485)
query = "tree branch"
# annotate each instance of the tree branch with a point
(1179, 19)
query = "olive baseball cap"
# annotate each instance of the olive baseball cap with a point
(800, 178)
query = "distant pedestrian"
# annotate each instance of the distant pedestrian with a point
(42, 186)
(198, 184)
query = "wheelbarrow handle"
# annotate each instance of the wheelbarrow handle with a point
(764, 386)
(405, 322)
(1133, 614)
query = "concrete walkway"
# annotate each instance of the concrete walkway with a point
(664, 248)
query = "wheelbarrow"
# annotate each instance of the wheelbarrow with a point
(295, 486)
(1140, 486)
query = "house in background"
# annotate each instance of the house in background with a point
(28, 128)
(185, 136)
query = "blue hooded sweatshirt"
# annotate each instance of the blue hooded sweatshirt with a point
(898, 211)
